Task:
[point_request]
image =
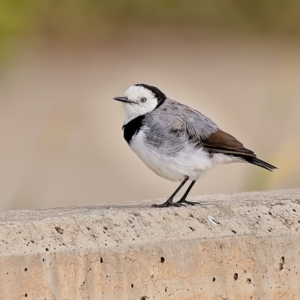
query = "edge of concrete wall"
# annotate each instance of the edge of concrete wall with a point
(240, 246)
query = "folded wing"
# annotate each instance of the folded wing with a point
(224, 143)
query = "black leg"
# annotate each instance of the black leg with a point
(183, 201)
(170, 202)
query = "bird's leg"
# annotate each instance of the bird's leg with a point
(170, 202)
(183, 201)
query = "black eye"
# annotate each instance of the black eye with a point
(143, 99)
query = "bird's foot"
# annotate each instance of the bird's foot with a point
(168, 203)
(182, 202)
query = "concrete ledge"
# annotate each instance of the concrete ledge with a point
(242, 246)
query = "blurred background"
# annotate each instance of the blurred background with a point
(62, 62)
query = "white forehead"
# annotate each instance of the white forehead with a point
(137, 91)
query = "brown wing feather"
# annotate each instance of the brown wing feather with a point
(222, 142)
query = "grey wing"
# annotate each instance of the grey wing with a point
(175, 123)
(198, 126)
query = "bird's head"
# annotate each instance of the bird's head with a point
(140, 99)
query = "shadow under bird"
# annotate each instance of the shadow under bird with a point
(175, 141)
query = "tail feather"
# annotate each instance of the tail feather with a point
(260, 163)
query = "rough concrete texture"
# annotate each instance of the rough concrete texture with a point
(136, 252)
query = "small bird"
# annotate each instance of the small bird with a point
(175, 141)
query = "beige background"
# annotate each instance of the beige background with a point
(61, 138)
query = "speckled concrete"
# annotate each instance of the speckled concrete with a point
(242, 246)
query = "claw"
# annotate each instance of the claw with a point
(188, 202)
(167, 204)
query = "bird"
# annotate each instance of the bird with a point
(176, 141)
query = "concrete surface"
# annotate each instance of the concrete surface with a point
(249, 250)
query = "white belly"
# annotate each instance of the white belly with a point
(186, 162)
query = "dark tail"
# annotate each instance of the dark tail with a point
(260, 163)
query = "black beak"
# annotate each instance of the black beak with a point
(123, 99)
